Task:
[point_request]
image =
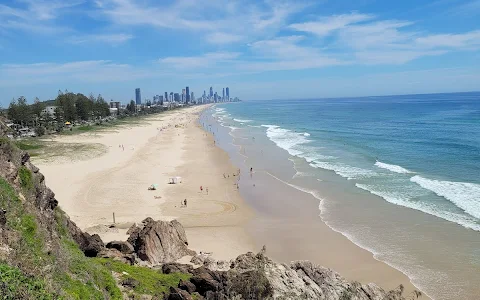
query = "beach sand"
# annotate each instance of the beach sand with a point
(221, 222)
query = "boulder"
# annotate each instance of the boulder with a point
(117, 255)
(91, 245)
(160, 242)
(206, 280)
(178, 294)
(3, 217)
(124, 247)
(130, 283)
(177, 268)
(187, 286)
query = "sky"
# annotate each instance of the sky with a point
(261, 49)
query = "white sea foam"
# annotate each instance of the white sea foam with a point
(428, 208)
(242, 121)
(344, 170)
(463, 194)
(306, 134)
(393, 168)
(286, 139)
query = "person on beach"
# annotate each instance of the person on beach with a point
(206, 190)
(201, 188)
(185, 202)
(251, 170)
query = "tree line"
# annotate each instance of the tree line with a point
(69, 107)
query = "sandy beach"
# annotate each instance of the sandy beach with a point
(216, 217)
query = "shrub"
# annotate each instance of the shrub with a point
(26, 180)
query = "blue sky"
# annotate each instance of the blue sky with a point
(260, 49)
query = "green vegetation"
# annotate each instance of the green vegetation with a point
(86, 278)
(74, 276)
(16, 285)
(28, 145)
(150, 282)
(25, 178)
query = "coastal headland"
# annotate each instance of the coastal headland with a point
(114, 187)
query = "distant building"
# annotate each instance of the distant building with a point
(192, 97)
(49, 110)
(211, 92)
(176, 97)
(166, 96)
(115, 104)
(187, 91)
(215, 97)
(228, 93)
(138, 96)
(223, 94)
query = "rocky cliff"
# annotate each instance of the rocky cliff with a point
(44, 255)
(255, 276)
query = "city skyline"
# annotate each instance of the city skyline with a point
(185, 97)
(265, 49)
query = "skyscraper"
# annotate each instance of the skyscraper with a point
(166, 96)
(176, 97)
(223, 94)
(228, 93)
(138, 96)
(183, 95)
(188, 94)
(211, 92)
(192, 97)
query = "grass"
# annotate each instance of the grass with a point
(25, 178)
(86, 277)
(74, 275)
(150, 282)
(16, 285)
(28, 144)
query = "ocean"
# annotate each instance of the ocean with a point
(419, 154)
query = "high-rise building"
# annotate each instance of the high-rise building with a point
(187, 91)
(211, 92)
(192, 97)
(176, 97)
(171, 96)
(228, 93)
(215, 97)
(138, 96)
(223, 94)
(166, 96)
(160, 100)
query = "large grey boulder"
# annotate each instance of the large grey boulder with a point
(160, 242)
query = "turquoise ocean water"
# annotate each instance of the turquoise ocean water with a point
(418, 154)
(418, 151)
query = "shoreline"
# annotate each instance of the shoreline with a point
(341, 254)
(220, 222)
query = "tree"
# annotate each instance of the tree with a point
(67, 103)
(19, 112)
(84, 107)
(37, 108)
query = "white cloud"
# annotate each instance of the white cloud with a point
(84, 71)
(202, 61)
(328, 25)
(466, 40)
(113, 39)
(223, 38)
(47, 10)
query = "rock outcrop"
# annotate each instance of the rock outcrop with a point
(160, 242)
(254, 276)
